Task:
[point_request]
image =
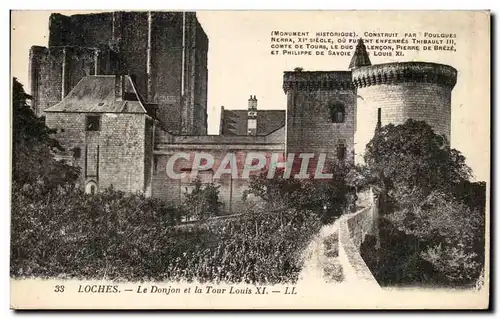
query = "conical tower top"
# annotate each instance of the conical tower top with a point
(360, 57)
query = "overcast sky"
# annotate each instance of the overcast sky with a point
(240, 63)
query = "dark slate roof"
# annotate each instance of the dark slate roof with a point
(235, 122)
(96, 94)
(360, 57)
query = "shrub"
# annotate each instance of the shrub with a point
(66, 233)
(432, 230)
(202, 202)
(327, 198)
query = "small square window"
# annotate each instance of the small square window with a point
(93, 123)
(77, 152)
(337, 113)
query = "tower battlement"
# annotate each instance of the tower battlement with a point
(401, 72)
(315, 80)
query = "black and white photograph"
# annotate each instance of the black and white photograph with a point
(250, 159)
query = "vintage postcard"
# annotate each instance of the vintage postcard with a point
(250, 160)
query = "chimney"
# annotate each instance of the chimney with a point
(119, 87)
(252, 115)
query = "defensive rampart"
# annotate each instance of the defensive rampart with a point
(352, 231)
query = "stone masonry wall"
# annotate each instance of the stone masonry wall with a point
(88, 30)
(352, 229)
(46, 77)
(231, 189)
(122, 140)
(427, 102)
(310, 127)
(122, 41)
(57, 70)
(400, 91)
(116, 153)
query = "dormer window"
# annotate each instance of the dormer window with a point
(337, 113)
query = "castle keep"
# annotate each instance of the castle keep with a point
(127, 93)
(161, 51)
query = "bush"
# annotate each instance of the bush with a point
(432, 228)
(436, 241)
(327, 198)
(66, 233)
(202, 202)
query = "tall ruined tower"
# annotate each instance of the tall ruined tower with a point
(165, 53)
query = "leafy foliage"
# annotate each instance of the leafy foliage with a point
(33, 147)
(412, 157)
(203, 201)
(451, 235)
(328, 198)
(433, 228)
(58, 231)
(65, 233)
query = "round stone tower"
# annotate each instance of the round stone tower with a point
(395, 92)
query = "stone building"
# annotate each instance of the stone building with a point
(143, 45)
(127, 91)
(337, 111)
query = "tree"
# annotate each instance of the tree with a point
(433, 225)
(450, 235)
(276, 192)
(411, 157)
(328, 198)
(203, 201)
(33, 148)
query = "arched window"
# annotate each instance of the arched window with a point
(337, 113)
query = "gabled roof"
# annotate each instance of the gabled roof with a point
(96, 94)
(235, 122)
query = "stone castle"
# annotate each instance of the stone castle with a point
(126, 91)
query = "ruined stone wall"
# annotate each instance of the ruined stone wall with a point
(164, 52)
(167, 69)
(200, 78)
(46, 77)
(86, 30)
(231, 189)
(55, 71)
(115, 155)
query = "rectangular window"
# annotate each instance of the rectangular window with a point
(341, 150)
(379, 117)
(93, 123)
(155, 165)
(252, 124)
